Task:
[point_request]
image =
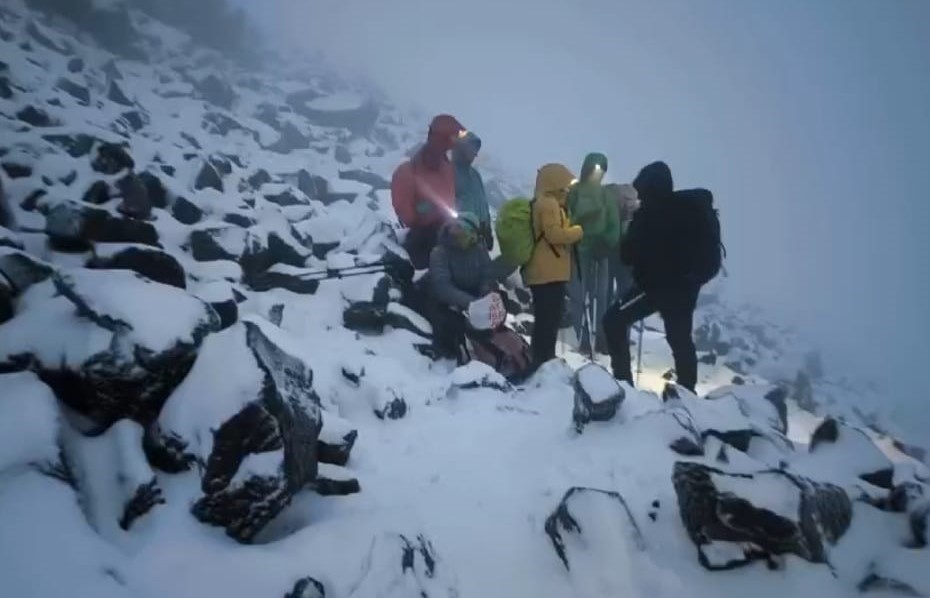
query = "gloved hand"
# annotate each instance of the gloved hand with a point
(423, 207)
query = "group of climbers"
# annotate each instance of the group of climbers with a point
(620, 253)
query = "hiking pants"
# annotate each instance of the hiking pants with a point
(548, 303)
(677, 311)
(589, 295)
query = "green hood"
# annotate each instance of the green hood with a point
(590, 161)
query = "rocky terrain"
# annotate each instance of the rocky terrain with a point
(212, 380)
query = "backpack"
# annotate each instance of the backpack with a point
(602, 231)
(503, 349)
(708, 248)
(514, 228)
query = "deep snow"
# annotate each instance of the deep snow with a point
(475, 471)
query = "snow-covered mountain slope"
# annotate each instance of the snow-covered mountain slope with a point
(201, 395)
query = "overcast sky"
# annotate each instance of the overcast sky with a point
(808, 119)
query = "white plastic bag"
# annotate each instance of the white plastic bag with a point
(487, 313)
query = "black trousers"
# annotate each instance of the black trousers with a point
(419, 243)
(449, 329)
(548, 303)
(677, 311)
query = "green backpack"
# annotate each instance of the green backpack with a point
(514, 228)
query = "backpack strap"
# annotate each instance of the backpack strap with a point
(540, 236)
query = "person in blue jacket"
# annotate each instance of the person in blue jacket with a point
(470, 195)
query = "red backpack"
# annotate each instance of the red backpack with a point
(503, 349)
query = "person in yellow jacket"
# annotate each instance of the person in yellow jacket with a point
(550, 267)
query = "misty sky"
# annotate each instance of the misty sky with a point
(809, 119)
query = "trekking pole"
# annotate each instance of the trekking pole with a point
(639, 351)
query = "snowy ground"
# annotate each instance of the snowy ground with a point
(458, 485)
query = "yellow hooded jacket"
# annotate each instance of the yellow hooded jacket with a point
(552, 257)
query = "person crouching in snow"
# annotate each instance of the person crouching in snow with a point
(459, 274)
(550, 266)
(423, 189)
(470, 195)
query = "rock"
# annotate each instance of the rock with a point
(598, 395)
(115, 94)
(16, 171)
(342, 154)
(350, 113)
(113, 359)
(208, 178)
(313, 186)
(70, 225)
(205, 248)
(289, 278)
(286, 197)
(154, 264)
(75, 65)
(764, 405)
(392, 405)
(134, 120)
(222, 164)
(291, 139)
(6, 302)
(874, 582)
(194, 144)
(475, 375)
(307, 588)
(154, 189)
(135, 201)
(98, 193)
(221, 297)
(734, 519)
(261, 177)
(255, 432)
(69, 178)
(220, 124)
(77, 146)
(41, 37)
(240, 220)
(400, 317)
(843, 449)
(20, 270)
(186, 212)
(9, 239)
(708, 358)
(216, 91)
(586, 520)
(6, 91)
(115, 484)
(365, 316)
(169, 170)
(78, 92)
(334, 449)
(398, 567)
(112, 159)
(35, 117)
(366, 177)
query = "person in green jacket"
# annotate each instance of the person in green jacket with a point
(594, 208)
(470, 195)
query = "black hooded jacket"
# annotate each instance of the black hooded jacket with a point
(660, 242)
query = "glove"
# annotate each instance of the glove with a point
(423, 207)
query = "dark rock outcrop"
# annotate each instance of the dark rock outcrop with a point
(208, 178)
(758, 515)
(149, 262)
(112, 159)
(71, 225)
(76, 91)
(598, 395)
(186, 212)
(216, 91)
(115, 94)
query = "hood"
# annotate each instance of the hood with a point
(701, 196)
(464, 219)
(466, 148)
(443, 133)
(553, 179)
(654, 182)
(590, 161)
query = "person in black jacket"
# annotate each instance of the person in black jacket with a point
(660, 245)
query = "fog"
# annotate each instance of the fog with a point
(810, 121)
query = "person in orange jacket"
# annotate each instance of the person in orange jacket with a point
(423, 189)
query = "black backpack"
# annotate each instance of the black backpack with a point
(707, 249)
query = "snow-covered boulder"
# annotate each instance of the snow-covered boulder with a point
(476, 375)
(20, 270)
(29, 422)
(763, 404)
(74, 225)
(307, 587)
(598, 395)
(397, 567)
(253, 429)
(221, 296)
(115, 483)
(121, 344)
(844, 450)
(144, 260)
(735, 518)
(344, 110)
(599, 542)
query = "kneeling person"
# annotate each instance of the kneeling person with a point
(459, 273)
